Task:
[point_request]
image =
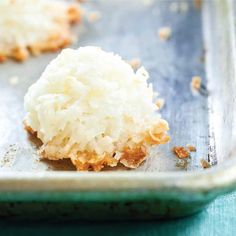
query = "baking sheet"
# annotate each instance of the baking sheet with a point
(131, 31)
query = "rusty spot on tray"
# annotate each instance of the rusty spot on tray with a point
(205, 164)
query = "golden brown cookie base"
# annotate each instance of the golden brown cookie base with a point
(131, 157)
(53, 43)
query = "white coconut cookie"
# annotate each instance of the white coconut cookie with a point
(35, 26)
(90, 106)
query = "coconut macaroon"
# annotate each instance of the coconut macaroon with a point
(90, 106)
(35, 26)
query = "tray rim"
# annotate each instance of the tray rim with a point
(215, 180)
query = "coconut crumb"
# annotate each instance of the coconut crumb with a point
(184, 6)
(196, 83)
(94, 16)
(148, 2)
(180, 152)
(205, 164)
(160, 103)
(135, 63)
(165, 33)
(191, 148)
(181, 7)
(174, 7)
(198, 3)
(14, 80)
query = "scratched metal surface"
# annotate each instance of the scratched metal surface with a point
(130, 30)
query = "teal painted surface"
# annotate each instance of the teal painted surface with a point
(218, 219)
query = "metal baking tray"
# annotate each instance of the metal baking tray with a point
(202, 44)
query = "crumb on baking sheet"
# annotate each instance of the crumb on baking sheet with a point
(155, 94)
(205, 164)
(148, 2)
(14, 80)
(94, 16)
(180, 152)
(160, 103)
(180, 7)
(183, 6)
(191, 148)
(135, 63)
(174, 7)
(196, 83)
(164, 33)
(198, 3)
